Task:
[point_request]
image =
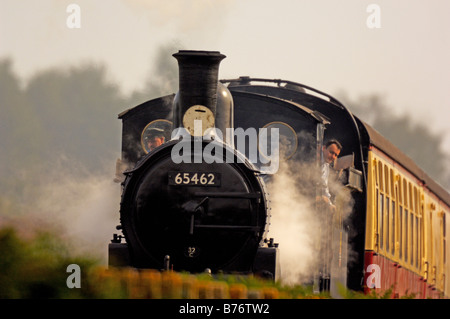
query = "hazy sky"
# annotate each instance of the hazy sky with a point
(326, 44)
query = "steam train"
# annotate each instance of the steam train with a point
(199, 200)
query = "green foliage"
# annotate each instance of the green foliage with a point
(36, 267)
(255, 282)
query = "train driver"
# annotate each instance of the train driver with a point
(155, 137)
(330, 152)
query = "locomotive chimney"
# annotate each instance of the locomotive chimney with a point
(201, 97)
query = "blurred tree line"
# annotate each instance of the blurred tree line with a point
(70, 115)
(66, 117)
(59, 114)
(414, 138)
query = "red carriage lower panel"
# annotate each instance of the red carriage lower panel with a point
(382, 274)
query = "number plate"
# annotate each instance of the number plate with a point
(194, 178)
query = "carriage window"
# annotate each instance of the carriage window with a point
(380, 213)
(417, 223)
(386, 181)
(155, 133)
(388, 239)
(288, 140)
(399, 192)
(400, 236)
(416, 241)
(375, 173)
(405, 218)
(394, 192)
(387, 207)
(380, 176)
(380, 198)
(393, 227)
(411, 207)
(444, 241)
(413, 231)
(405, 222)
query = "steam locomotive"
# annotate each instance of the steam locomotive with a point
(199, 200)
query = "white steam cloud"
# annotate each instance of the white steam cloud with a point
(295, 223)
(80, 206)
(187, 16)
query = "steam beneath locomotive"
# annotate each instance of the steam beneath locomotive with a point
(295, 223)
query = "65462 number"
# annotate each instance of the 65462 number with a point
(194, 178)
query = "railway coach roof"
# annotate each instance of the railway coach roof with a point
(383, 144)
